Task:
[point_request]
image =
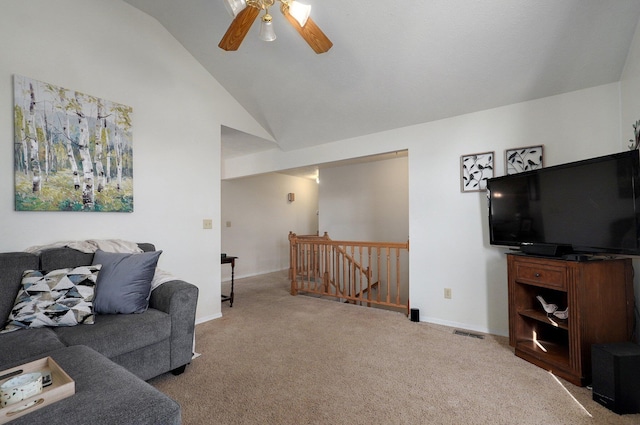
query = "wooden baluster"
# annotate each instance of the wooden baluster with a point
(359, 278)
(313, 265)
(388, 275)
(397, 276)
(293, 272)
(345, 276)
(369, 275)
(337, 270)
(352, 274)
(307, 259)
(378, 274)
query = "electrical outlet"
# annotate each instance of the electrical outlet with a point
(447, 293)
(207, 223)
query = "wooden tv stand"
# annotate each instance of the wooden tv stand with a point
(599, 294)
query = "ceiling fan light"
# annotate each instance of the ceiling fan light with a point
(300, 12)
(234, 6)
(266, 29)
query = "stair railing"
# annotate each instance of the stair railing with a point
(356, 272)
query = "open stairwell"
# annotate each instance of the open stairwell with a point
(365, 273)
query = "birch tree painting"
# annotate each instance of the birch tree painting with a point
(73, 151)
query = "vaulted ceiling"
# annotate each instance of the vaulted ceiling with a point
(396, 63)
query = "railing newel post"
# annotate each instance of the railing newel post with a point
(293, 271)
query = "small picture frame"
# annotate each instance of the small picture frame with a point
(475, 170)
(527, 158)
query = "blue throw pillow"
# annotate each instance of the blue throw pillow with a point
(124, 282)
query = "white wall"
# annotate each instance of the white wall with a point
(111, 50)
(365, 202)
(368, 202)
(449, 238)
(630, 95)
(447, 228)
(261, 217)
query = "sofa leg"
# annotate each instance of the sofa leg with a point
(179, 370)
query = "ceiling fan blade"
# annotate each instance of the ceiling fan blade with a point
(239, 28)
(313, 35)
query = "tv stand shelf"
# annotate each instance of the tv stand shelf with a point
(599, 295)
(555, 354)
(544, 318)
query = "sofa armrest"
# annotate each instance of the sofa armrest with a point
(178, 299)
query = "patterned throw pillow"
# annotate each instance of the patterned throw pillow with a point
(59, 298)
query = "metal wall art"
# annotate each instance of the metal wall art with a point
(527, 158)
(476, 169)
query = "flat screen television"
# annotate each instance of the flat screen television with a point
(583, 207)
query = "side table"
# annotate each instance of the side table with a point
(227, 259)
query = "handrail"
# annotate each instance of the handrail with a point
(355, 271)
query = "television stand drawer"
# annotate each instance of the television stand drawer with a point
(545, 275)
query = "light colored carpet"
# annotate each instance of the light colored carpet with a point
(278, 359)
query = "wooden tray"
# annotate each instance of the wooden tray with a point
(62, 386)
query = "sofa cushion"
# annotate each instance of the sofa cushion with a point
(61, 297)
(105, 394)
(60, 258)
(124, 283)
(113, 335)
(26, 343)
(12, 265)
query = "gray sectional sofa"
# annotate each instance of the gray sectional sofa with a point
(110, 359)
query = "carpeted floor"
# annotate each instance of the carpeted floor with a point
(278, 359)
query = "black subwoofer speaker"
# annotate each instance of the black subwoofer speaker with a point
(415, 315)
(615, 370)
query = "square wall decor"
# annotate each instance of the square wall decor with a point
(528, 158)
(72, 151)
(476, 169)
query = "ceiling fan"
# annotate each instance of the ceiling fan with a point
(245, 13)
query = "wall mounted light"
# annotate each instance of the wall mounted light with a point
(291, 197)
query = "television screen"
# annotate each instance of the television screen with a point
(591, 206)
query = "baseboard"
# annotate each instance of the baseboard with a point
(465, 326)
(242, 276)
(208, 318)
